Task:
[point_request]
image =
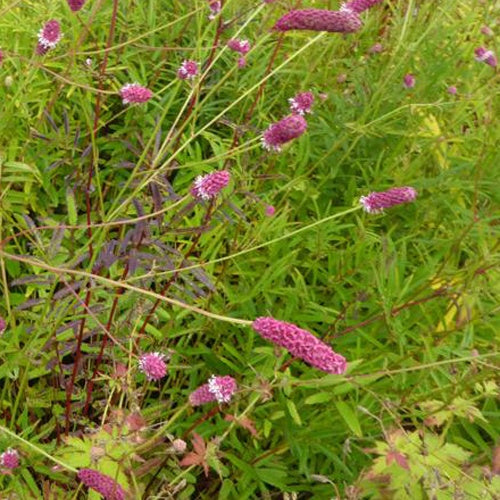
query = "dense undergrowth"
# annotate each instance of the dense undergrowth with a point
(106, 255)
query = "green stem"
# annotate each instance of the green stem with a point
(37, 449)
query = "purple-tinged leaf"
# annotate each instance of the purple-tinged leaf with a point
(50, 120)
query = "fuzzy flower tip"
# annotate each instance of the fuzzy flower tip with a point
(76, 5)
(9, 459)
(301, 103)
(133, 93)
(153, 365)
(206, 187)
(240, 46)
(188, 70)
(409, 81)
(3, 325)
(301, 344)
(359, 5)
(285, 130)
(452, 90)
(1, 57)
(101, 483)
(220, 389)
(215, 7)
(487, 56)
(376, 202)
(345, 21)
(49, 36)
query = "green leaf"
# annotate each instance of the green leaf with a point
(292, 409)
(349, 417)
(71, 204)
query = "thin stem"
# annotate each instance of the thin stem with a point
(37, 449)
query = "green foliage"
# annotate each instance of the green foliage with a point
(409, 297)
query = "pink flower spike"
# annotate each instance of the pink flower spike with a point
(409, 81)
(49, 36)
(240, 46)
(220, 389)
(3, 325)
(133, 93)
(242, 62)
(284, 131)
(1, 57)
(153, 365)
(452, 90)
(487, 56)
(206, 187)
(301, 344)
(358, 6)
(188, 70)
(76, 5)
(375, 202)
(301, 103)
(101, 483)
(319, 20)
(9, 459)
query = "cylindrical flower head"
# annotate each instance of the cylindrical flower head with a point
(281, 132)
(1, 57)
(9, 459)
(220, 389)
(3, 325)
(50, 35)
(153, 366)
(359, 5)
(452, 90)
(76, 5)
(376, 202)
(319, 20)
(101, 483)
(487, 56)
(409, 81)
(188, 70)
(240, 46)
(301, 103)
(301, 344)
(133, 93)
(208, 186)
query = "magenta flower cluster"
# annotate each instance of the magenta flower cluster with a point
(101, 483)
(301, 103)
(76, 5)
(345, 21)
(9, 459)
(48, 37)
(153, 365)
(409, 81)
(218, 388)
(376, 202)
(240, 46)
(359, 6)
(188, 70)
(3, 325)
(301, 344)
(215, 7)
(133, 93)
(487, 56)
(284, 131)
(206, 187)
